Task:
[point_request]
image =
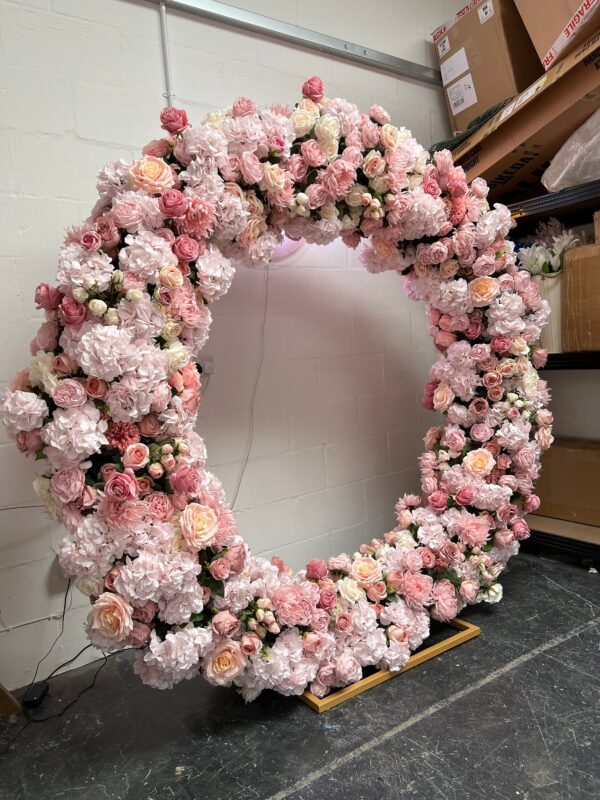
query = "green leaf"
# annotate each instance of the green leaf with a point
(39, 454)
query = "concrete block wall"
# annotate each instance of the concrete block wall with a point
(337, 421)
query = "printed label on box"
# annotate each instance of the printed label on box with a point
(506, 112)
(461, 95)
(485, 11)
(443, 47)
(454, 66)
(528, 93)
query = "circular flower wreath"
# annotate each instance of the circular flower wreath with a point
(110, 398)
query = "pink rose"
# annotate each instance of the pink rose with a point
(47, 297)
(338, 178)
(236, 555)
(136, 456)
(224, 663)
(251, 644)
(225, 624)
(69, 393)
(539, 357)
(365, 570)
(159, 505)
(520, 529)
(185, 480)
(173, 203)
(343, 622)
(121, 485)
(313, 89)
(347, 668)
(110, 619)
(479, 187)
(445, 602)
(173, 120)
(465, 496)
(127, 213)
(481, 432)
(28, 441)
(379, 114)
(469, 591)
(149, 426)
(96, 388)
(139, 634)
(438, 500)
(251, 168)
(67, 484)
(243, 107)
(62, 364)
(327, 598)
(71, 311)
(199, 525)
(377, 591)
(146, 612)
(91, 240)
(501, 344)
(531, 504)
(220, 569)
(312, 152)
(316, 569)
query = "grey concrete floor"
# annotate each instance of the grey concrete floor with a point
(513, 714)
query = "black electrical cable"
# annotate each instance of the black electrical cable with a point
(30, 719)
(62, 630)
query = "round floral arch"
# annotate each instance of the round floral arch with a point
(110, 397)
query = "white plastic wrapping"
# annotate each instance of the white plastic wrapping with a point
(578, 160)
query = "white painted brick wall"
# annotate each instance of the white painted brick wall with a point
(337, 422)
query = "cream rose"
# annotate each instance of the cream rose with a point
(303, 121)
(151, 174)
(110, 619)
(171, 277)
(479, 463)
(373, 164)
(330, 148)
(443, 397)
(273, 179)
(224, 663)
(199, 526)
(178, 356)
(483, 290)
(529, 382)
(389, 137)
(327, 128)
(354, 198)
(90, 585)
(350, 591)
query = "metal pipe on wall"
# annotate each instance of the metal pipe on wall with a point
(294, 34)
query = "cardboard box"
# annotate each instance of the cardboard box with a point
(568, 485)
(581, 296)
(513, 148)
(557, 26)
(485, 56)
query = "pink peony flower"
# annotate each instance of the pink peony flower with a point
(173, 120)
(313, 89)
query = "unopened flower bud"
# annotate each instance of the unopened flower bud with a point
(80, 294)
(134, 295)
(97, 307)
(112, 317)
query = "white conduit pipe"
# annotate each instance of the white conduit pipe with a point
(168, 94)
